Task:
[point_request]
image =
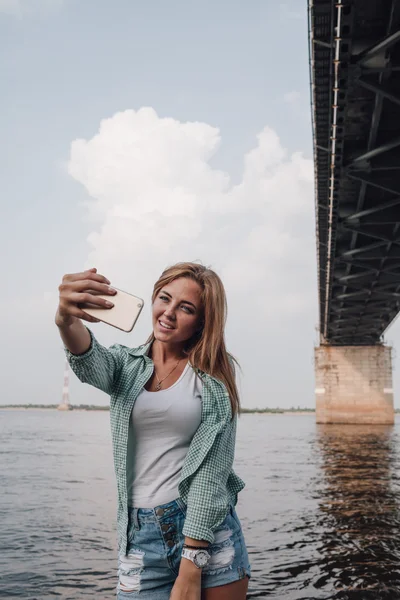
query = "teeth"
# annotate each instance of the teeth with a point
(165, 325)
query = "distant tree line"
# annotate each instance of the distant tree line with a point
(106, 407)
(55, 406)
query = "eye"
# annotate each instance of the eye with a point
(164, 298)
(188, 310)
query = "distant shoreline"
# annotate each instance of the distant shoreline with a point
(87, 408)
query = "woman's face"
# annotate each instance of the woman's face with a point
(177, 311)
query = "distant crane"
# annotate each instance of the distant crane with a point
(65, 404)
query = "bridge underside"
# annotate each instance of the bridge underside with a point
(355, 71)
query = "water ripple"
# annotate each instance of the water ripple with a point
(320, 510)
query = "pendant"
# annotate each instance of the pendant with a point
(158, 387)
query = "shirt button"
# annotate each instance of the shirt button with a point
(160, 512)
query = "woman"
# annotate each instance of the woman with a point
(174, 406)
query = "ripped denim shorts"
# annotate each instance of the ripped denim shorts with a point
(155, 542)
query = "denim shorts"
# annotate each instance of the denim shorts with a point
(155, 542)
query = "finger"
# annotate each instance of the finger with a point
(89, 286)
(86, 298)
(92, 276)
(85, 317)
(78, 312)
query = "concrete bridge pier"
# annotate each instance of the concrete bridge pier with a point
(354, 384)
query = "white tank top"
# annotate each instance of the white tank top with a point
(161, 427)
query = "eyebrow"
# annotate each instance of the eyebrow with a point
(183, 301)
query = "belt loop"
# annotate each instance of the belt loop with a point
(135, 519)
(181, 504)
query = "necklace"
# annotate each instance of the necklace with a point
(159, 381)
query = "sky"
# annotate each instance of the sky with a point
(139, 134)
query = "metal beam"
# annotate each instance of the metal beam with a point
(323, 44)
(361, 302)
(353, 310)
(356, 251)
(365, 70)
(378, 293)
(355, 276)
(354, 318)
(370, 211)
(355, 263)
(360, 292)
(388, 167)
(384, 161)
(391, 271)
(357, 326)
(376, 151)
(388, 280)
(388, 294)
(382, 91)
(381, 46)
(368, 254)
(372, 234)
(371, 181)
(375, 121)
(383, 220)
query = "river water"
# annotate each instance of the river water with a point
(320, 511)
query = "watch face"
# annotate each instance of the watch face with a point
(201, 558)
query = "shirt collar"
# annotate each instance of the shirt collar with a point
(141, 350)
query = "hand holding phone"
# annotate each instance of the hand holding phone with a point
(75, 289)
(89, 296)
(123, 314)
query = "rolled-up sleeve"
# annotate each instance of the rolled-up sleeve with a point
(98, 366)
(208, 502)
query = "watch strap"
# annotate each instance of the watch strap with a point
(192, 555)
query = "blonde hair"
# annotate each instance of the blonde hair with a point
(206, 350)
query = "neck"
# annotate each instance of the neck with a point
(162, 352)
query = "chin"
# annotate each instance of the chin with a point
(160, 335)
(157, 334)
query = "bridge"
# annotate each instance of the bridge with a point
(355, 96)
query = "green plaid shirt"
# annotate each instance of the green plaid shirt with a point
(208, 484)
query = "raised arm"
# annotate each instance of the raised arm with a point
(91, 362)
(76, 289)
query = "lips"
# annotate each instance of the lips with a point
(165, 326)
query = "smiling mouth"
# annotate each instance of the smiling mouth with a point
(165, 326)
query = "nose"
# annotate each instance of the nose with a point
(169, 313)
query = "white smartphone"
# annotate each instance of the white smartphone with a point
(123, 315)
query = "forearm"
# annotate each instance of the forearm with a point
(74, 334)
(198, 543)
(187, 569)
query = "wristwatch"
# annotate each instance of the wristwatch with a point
(199, 557)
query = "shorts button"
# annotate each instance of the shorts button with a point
(159, 512)
(165, 527)
(170, 543)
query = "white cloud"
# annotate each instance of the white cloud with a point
(21, 8)
(156, 200)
